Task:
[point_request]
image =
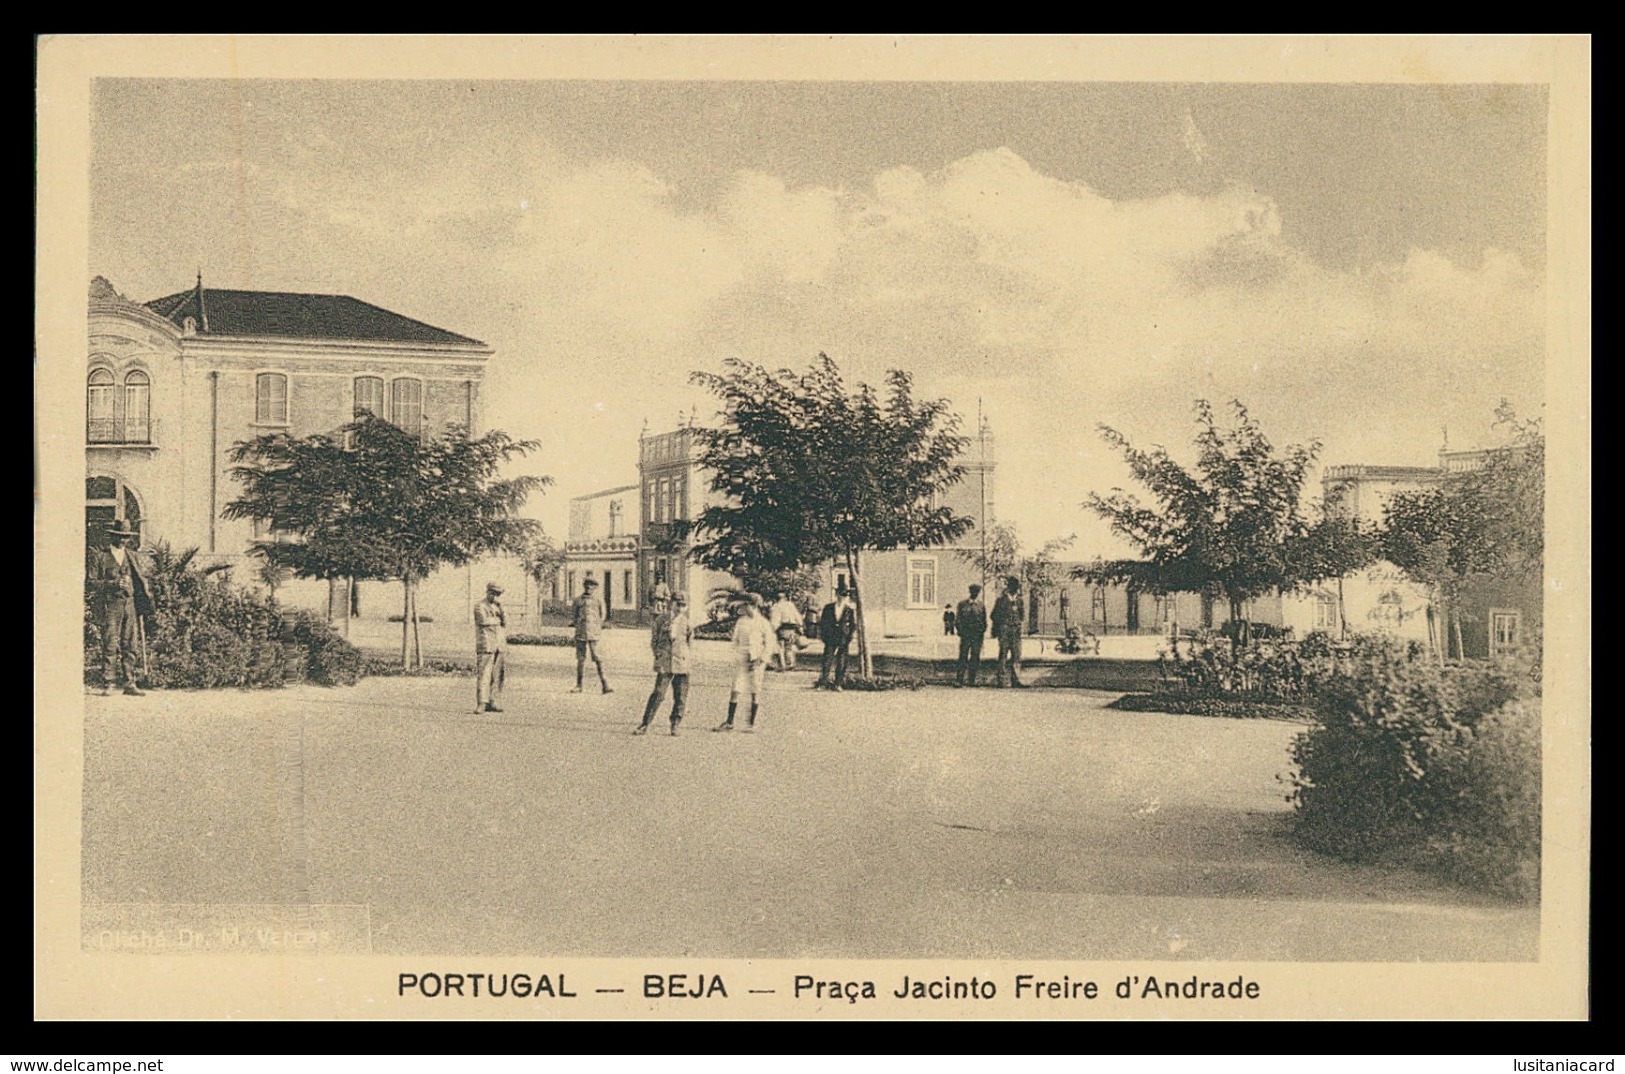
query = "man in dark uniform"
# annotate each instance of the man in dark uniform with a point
(1007, 612)
(970, 620)
(121, 597)
(836, 627)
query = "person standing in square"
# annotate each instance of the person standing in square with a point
(490, 639)
(669, 639)
(587, 613)
(121, 596)
(1007, 613)
(836, 627)
(970, 621)
(785, 622)
(752, 641)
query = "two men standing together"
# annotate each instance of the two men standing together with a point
(971, 622)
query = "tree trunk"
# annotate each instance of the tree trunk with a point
(417, 635)
(405, 624)
(1455, 627)
(1342, 619)
(866, 666)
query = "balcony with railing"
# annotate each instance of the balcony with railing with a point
(121, 432)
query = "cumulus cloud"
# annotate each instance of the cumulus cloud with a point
(1057, 306)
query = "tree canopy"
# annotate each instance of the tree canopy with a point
(1234, 524)
(373, 501)
(1485, 520)
(809, 471)
(1004, 556)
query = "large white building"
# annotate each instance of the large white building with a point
(173, 383)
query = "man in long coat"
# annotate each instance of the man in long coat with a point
(121, 597)
(836, 627)
(1007, 614)
(970, 621)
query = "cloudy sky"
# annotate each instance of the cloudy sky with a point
(1360, 264)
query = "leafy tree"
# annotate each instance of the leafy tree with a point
(810, 472)
(1484, 521)
(1003, 557)
(1234, 525)
(373, 501)
(541, 558)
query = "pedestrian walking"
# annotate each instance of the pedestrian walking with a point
(669, 639)
(1007, 613)
(587, 613)
(490, 641)
(947, 620)
(970, 621)
(120, 587)
(785, 621)
(836, 627)
(752, 641)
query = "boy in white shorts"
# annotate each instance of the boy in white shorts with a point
(752, 642)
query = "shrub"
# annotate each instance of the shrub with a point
(330, 660)
(714, 629)
(207, 633)
(399, 618)
(1235, 708)
(430, 669)
(881, 683)
(1412, 763)
(563, 640)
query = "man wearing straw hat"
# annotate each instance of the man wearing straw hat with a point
(490, 639)
(122, 599)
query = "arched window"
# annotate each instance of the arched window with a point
(107, 500)
(137, 407)
(406, 404)
(271, 399)
(100, 427)
(369, 396)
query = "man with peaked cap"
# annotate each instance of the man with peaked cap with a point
(669, 639)
(121, 596)
(587, 613)
(490, 639)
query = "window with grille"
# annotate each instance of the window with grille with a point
(1325, 611)
(271, 399)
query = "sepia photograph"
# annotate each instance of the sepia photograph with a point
(773, 527)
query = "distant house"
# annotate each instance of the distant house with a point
(904, 590)
(603, 545)
(1496, 613)
(173, 383)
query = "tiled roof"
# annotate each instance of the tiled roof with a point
(295, 316)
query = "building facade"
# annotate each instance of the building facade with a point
(673, 487)
(603, 545)
(904, 591)
(173, 383)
